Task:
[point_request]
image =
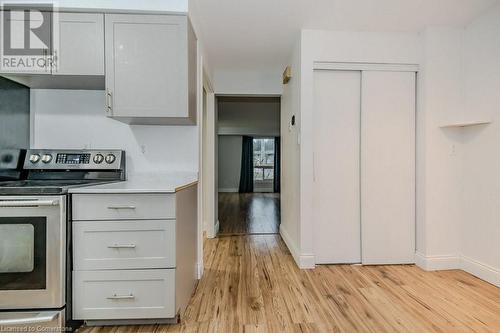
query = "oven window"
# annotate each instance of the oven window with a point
(18, 248)
(23, 250)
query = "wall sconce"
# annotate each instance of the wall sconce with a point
(287, 74)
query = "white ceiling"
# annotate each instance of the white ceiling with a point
(259, 34)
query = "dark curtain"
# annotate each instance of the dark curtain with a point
(277, 165)
(246, 176)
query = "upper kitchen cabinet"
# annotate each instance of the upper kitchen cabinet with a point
(150, 69)
(80, 50)
(17, 57)
(74, 58)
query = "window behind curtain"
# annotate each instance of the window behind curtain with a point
(263, 160)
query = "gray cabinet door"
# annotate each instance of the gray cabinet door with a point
(79, 44)
(146, 66)
(28, 55)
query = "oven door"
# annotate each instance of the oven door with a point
(32, 252)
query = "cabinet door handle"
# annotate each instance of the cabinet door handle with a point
(121, 207)
(54, 61)
(122, 246)
(115, 296)
(109, 101)
(46, 60)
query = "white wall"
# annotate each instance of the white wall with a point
(290, 160)
(480, 243)
(229, 162)
(438, 150)
(247, 82)
(458, 188)
(259, 116)
(76, 119)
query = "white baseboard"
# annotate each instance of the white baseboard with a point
(444, 262)
(199, 270)
(205, 226)
(229, 190)
(480, 270)
(215, 231)
(304, 261)
(437, 263)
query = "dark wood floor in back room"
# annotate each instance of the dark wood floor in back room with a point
(249, 213)
(251, 284)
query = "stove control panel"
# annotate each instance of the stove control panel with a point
(63, 158)
(74, 159)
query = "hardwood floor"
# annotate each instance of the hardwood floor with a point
(251, 284)
(249, 213)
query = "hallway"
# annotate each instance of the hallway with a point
(249, 213)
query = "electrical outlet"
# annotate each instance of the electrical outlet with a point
(143, 149)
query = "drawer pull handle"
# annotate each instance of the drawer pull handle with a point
(121, 207)
(115, 296)
(122, 246)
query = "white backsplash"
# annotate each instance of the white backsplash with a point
(66, 119)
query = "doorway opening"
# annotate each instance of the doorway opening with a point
(248, 164)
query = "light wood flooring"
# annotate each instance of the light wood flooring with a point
(251, 284)
(249, 213)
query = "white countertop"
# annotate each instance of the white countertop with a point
(144, 183)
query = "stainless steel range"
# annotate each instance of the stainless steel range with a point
(35, 233)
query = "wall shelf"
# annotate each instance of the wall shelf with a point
(466, 124)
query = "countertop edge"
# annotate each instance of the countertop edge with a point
(183, 187)
(138, 190)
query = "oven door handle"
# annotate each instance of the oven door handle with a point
(29, 203)
(42, 317)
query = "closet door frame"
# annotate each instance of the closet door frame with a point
(386, 67)
(364, 66)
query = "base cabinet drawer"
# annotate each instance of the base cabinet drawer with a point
(90, 207)
(127, 244)
(128, 294)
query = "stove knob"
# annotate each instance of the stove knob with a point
(34, 158)
(98, 159)
(46, 158)
(7, 158)
(110, 158)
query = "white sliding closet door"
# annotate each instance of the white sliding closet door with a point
(388, 167)
(336, 166)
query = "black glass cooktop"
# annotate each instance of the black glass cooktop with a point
(35, 187)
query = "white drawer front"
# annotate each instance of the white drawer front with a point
(88, 207)
(131, 244)
(144, 294)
